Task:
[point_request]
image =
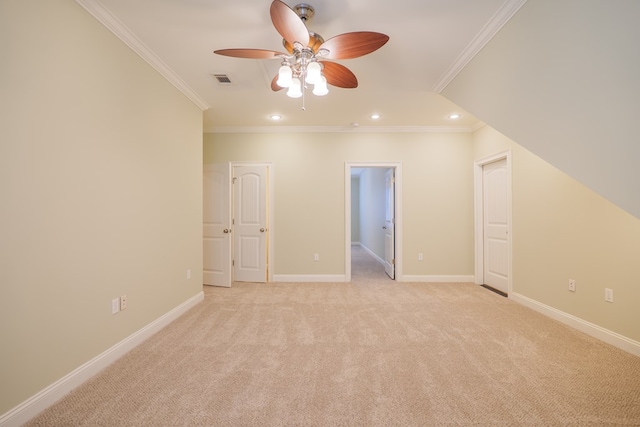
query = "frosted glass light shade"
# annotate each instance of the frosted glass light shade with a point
(313, 73)
(295, 90)
(320, 88)
(284, 76)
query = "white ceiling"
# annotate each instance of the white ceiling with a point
(430, 40)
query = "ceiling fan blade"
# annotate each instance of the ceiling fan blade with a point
(288, 23)
(275, 86)
(353, 45)
(338, 75)
(250, 53)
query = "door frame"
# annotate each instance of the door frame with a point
(270, 214)
(397, 166)
(479, 217)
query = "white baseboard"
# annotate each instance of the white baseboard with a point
(370, 252)
(54, 392)
(309, 278)
(439, 278)
(610, 337)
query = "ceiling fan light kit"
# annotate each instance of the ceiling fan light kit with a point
(306, 59)
(299, 69)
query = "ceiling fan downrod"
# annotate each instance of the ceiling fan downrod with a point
(304, 11)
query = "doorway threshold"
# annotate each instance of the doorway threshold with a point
(503, 294)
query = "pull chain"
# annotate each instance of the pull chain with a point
(304, 87)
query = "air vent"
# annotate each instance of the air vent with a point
(222, 79)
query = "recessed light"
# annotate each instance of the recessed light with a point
(375, 116)
(454, 116)
(275, 117)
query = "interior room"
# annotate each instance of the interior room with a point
(114, 111)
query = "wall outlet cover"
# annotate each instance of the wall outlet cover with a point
(115, 305)
(608, 295)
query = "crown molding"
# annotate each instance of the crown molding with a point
(113, 24)
(495, 24)
(478, 126)
(342, 129)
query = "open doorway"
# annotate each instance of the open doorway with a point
(373, 220)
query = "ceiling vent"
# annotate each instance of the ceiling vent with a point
(222, 79)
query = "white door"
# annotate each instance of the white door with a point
(495, 225)
(216, 227)
(389, 224)
(250, 223)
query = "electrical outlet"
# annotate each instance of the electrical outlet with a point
(115, 305)
(316, 257)
(188, 273)
(608, 295)
(123, 302)
(572, 285)
(420, 257)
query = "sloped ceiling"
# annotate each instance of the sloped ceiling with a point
(561, 79)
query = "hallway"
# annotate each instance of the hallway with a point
(365, 268)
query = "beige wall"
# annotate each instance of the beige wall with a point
(561, 79)
(309, 194)
(561, 231)
(101, 180)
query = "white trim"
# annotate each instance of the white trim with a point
(344, 129)
(374, 255)
(347, 213)
(598, 332)
(113, 24)
(478, 126)
(54, 392)
(438, 278)
(478, 217)
(309, 278)
(497, 21)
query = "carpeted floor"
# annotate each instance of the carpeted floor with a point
(370, 353)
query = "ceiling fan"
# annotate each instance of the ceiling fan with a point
(307, 52)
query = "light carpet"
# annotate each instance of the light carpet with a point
(373, 352)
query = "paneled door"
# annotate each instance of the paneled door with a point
(250, 223)
(389, 224)
(216, 227)
(495, 225)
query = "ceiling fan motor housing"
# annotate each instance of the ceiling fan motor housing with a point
(315, 41)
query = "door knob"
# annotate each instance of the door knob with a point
(225, 231)
(384, 227)
(262, 230)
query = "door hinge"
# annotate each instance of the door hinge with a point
(393, 261)
(233, 263)
(233, 180)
